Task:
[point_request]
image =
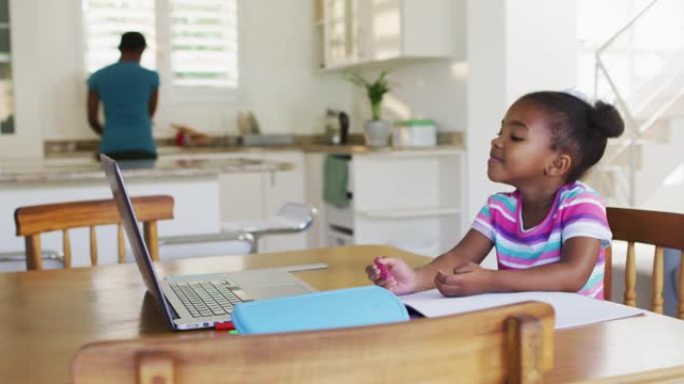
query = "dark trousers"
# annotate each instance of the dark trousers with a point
(132, 155)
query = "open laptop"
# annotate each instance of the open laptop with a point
(199, 301)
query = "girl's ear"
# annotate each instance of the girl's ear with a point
(560, 166)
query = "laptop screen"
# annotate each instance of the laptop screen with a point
(135, 238)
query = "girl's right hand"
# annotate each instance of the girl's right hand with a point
(399, 278)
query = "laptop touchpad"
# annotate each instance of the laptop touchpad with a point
(277, 291)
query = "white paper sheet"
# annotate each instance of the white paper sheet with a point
(571, 309)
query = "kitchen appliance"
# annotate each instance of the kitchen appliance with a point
(344, 128)
(336, 127)
(247, 123)
(414, 133)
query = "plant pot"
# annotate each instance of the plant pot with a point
(377, 133)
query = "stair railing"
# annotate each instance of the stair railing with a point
(632, 130)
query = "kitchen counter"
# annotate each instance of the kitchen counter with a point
(174, 161)
(201, 187)
(304, 143)
(86, 168)
(193, 152)
(210, 185)
(364, 149)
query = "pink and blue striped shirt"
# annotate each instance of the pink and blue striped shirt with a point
(577, 210)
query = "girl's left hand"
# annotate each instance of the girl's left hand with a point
(466, 280)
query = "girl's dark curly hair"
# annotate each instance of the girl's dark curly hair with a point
(578, 128)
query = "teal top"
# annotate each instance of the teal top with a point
(125, 89)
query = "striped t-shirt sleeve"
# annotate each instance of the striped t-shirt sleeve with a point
(584, 214)
(483, 222)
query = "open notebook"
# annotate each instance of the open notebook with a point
(571, 309)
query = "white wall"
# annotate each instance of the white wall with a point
(660, 181)
(541, 46)
(25, 143)
(280, 82)
(487, 94)
(514, 47)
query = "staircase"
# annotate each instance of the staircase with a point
(640, 69)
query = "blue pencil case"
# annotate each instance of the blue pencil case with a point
(341, 308)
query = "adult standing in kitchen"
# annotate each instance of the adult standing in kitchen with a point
(129, 94)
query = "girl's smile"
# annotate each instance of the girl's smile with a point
(494, 159)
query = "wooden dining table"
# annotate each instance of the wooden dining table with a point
(46, 316)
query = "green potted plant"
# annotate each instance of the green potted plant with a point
(377, 130)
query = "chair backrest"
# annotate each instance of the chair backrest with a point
(33, 220)
(661, 229)
(512, 343)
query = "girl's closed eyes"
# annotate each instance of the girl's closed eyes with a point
(514, 136)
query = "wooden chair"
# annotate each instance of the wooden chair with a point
(661, 229)
(511, 344)
(33, 220)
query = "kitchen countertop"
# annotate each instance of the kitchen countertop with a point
(67, 149)
(174, 161)
(364, 149)
(89, 169)
(237, 149)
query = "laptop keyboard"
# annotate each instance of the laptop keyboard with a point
(206, 298)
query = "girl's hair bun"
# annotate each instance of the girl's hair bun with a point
(606, 120)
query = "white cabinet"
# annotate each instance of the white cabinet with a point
(279, 188)
(201, 204)
(351, 32)
(313, 180)
(248, 198)
(335, 33)
(195, 202)
(409, 199)
(412, 200)
(242, 193)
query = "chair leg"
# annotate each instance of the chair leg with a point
(630, 276)
(608, 275)
(152, 239)
(33, 253)
(658, 275)
(525, 341)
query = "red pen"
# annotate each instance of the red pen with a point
(224, 326)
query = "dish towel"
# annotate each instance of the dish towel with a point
(335, 179)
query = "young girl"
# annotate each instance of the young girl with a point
(551, 232)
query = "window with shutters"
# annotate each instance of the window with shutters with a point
(106, 20)
(204, 42)
(192, 43)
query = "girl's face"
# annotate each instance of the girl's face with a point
(522, 149)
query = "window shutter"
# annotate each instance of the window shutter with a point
(204, 43)
(104, 23)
